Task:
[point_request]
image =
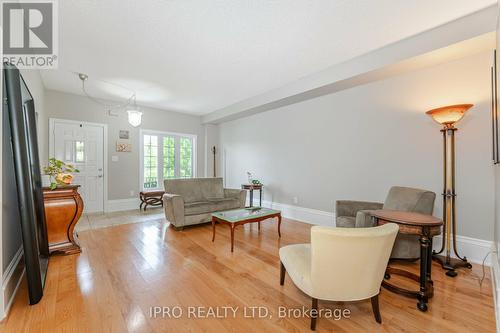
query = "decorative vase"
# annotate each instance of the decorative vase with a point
(250, 178)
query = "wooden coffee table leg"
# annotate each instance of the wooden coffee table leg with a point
(279, 225)
(213, 229)
(259, 225)
(232, 237)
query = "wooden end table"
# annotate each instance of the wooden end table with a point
(426, 227)
(151, 198)
(242, 216)
(63, 209)
(251, 188)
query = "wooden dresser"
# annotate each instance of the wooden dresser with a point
(63, 209)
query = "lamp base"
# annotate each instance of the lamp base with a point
(450, 264)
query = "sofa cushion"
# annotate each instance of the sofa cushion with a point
(195, 189)
(220, 199)
(346, 221)
(197, 207)
(202, 207)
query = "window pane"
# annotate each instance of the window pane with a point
(169, 157)
(79, 151)
(150, 161)
(186, 158)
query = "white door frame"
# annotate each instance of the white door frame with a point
(52, 122)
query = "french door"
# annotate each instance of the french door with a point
(166, 156)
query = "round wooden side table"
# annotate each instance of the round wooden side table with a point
(426, 227)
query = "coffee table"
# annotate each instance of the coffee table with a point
(242, 216)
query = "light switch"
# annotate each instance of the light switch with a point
(115, 158)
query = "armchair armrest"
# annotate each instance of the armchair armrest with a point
(351, 208)
(364, 218)
(173, 205)
(241, 195)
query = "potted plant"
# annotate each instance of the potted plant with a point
(60, 173)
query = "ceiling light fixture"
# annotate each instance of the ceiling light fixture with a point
(133, 112)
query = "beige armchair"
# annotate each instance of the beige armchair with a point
(356, 214)
(323, 271)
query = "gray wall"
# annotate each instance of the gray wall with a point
(123, 176)
(356, 143)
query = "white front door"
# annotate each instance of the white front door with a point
(82, 145)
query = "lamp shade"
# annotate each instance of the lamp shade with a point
(134, 117)
(449, 115)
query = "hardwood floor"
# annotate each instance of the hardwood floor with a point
(126, 269)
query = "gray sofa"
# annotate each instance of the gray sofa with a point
(192, 201)
(355, 214)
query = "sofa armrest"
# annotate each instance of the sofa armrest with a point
(241, 195)
(351, 208)
(173, 205)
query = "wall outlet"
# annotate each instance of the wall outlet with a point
(115, 158)
(132, 193)
(295, 200)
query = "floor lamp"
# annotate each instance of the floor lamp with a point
(447, 116)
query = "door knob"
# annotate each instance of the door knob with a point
(100, 176)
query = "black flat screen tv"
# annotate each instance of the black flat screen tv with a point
(19, 104)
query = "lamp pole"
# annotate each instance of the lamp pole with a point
(214, 151)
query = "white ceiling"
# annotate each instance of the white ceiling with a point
(199, 56)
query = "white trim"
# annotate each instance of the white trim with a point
(9, 274)
(302, 214)
(495, 284)
(52, 122)
(142, 132)
(474, 249)
(122, 205)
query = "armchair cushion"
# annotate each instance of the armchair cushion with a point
(350, 207)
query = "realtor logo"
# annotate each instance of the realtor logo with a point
(29, 32)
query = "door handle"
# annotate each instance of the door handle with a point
(100, 176)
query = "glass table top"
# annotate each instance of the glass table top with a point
(242, 214)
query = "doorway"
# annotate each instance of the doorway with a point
(83, 145)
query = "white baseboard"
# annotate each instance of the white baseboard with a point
(122, 204)
(10, 283)
(474, 249)
(495, 278)
(307, 215)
